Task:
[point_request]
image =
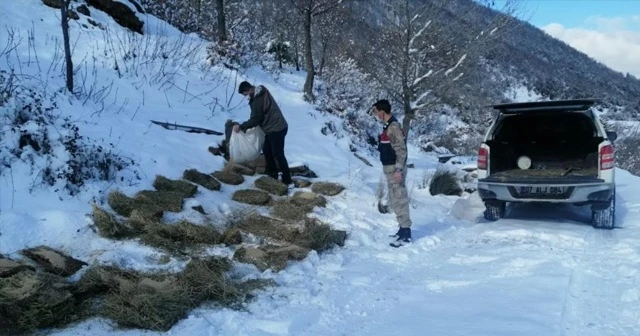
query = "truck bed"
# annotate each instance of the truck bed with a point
(545, 176)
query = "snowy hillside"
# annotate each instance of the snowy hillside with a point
(541, 271)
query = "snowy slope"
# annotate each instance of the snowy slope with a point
(542, 271)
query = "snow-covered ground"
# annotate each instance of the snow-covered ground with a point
(541, 271)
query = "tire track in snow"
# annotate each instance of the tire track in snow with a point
(596, 292)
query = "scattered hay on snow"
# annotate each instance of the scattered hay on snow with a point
(10, 267)
(53, 261)
(202, 179)
(178, 237)
(251, 196)
(271, 256)
(319, 236)
(289, 210)
(108, 225)
(30, 300)
(167, 200)
(327, 188)
(228, 177)
(271, 185)
(301, 183)
(162, 183)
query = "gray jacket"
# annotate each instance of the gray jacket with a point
(265, 112)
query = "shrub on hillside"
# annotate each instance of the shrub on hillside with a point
(34, 133)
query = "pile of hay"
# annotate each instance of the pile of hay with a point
(228, 177)
(54, 262)
(179, 237)
(289, 210)
(158, 301)
(327, 188)
(162, 183)
(251, 196)
(202, 179)
(30, 300)
(270, 256)
(444, 182)
(271, 185)
(109, 226)
(124, 205)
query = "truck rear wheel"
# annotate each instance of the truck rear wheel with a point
(605, 218)
(494, 210)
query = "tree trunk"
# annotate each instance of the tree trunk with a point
(323, 57)
(308, 83)
(67, 47)
(409, 115)
(222, 25)
(296, 50)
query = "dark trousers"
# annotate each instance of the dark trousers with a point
(273, 150)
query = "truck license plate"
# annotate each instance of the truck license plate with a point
(542, 190)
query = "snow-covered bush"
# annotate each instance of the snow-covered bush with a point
(348, 92)
(34, 134)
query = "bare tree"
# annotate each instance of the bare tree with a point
(417, 56)
(222, 26)
(64, 10)
(309, 10)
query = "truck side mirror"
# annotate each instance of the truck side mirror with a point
(612, 136)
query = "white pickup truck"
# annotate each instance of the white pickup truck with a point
(550, 151)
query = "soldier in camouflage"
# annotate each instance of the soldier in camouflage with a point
(393, 155)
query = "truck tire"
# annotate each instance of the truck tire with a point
(494, 210)
(605, 219)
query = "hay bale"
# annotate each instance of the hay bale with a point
(177, 237)
(53, 261)
(253, 256)
(279, 256)
(241, 169)
(319, 236)
(289, 210)
(202, 179)
(108, 226)
(166, 200)
(162, 183)
(271, 185)
(231, 236)
(251, 196)
(121, 203)
(150, 303)
(304, 198)
(228, 177)
(301, 183)
(30, 300)
(273, 257)
(444, 182)
(206, 281)
(327, 188)
(263, 226)
(10, 267)
(99, 280)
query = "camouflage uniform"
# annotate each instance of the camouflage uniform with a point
(393, 155)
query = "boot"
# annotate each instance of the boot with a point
(404, 238)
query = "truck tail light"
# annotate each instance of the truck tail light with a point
(607, 160)
(483, 158)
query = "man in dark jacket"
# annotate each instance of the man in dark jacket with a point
(393, 155)
(266, 113)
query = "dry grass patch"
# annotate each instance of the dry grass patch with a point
(177, 238)
(166, 200)
(289, 210)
